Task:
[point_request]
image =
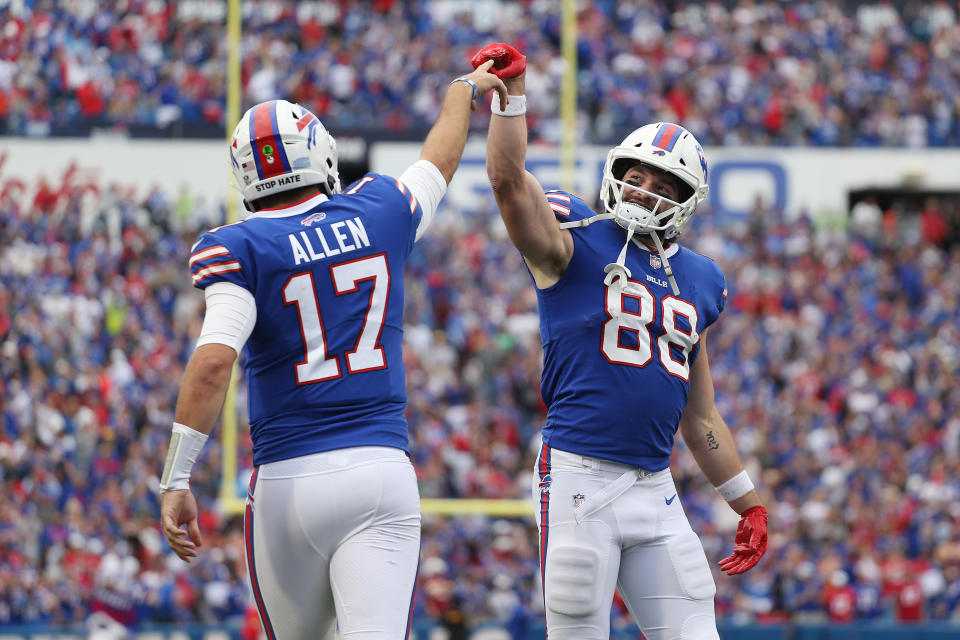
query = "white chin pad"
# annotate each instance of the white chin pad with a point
(634, 212)
(647, 221)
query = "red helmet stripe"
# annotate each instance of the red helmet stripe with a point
(668, 136)
(268, 151)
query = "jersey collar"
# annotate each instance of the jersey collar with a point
(669, 252)
(292, 210)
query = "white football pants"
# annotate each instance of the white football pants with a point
(333, 544)
(605, 526)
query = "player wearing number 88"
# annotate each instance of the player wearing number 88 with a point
(310, 287)
(624, 316)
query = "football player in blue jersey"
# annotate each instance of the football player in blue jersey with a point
(309, 287)
(624, 317)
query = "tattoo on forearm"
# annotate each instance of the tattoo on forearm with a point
(712, 441)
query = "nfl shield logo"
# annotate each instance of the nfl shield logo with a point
(655, 262)
(578, 499)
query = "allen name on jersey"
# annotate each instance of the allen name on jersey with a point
(328, 240)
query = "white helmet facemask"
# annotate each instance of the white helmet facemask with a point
(666, 216)
(666, 147)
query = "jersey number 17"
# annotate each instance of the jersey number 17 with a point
(366, 355)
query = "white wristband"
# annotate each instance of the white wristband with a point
(736, 487)
(185, 446)
(516, 107)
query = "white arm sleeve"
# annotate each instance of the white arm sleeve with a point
(231, 314)
(427, 185)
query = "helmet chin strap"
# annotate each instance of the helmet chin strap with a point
(618, 270)
(586, 222)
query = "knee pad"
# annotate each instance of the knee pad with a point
(690, 565)
(573, 581)
(699, 626)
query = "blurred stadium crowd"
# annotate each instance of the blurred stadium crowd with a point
(836, 363)
(741, 72)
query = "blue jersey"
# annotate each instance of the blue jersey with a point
(617, 362)
(323, 364)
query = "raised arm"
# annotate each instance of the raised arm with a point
(709, 439)
(444, 144)
(428, 177)
(529, 219)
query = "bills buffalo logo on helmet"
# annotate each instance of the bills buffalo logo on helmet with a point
(703, 162)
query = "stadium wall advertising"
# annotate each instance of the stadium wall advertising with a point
(794, 179)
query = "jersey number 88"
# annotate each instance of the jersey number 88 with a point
(638, 322)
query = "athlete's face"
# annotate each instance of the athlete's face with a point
(656, 181)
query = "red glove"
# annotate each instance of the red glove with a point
(507, 61)
(750, 543)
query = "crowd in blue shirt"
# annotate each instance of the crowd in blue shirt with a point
(766, 73)
(835, 362)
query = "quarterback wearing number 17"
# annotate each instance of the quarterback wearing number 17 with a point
(624, 317)
(310, 288)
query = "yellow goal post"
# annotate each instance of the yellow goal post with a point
(229, 502)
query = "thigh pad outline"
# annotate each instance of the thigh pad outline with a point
(573, 580)
(690, 565)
